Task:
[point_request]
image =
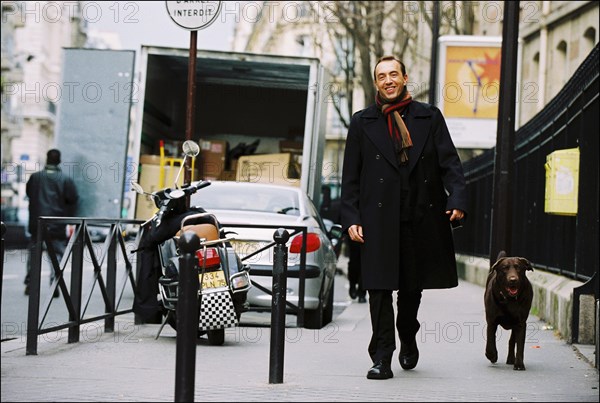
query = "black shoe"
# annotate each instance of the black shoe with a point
(362, 299)
(381, 370)
(409, 354)
(352, 291)
(26, 290)
(56, 294)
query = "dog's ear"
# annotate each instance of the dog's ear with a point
(525, 263)
(496, 265)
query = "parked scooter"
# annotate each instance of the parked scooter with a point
(223, 280)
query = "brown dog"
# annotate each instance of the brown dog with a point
(508, 296)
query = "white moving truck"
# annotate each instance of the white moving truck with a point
(268, 101)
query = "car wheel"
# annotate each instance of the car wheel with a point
(313, 318)
(216, 337)
(328, 311)
(317, 318)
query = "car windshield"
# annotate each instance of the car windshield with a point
(248, 198)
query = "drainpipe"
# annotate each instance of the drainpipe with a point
(543, 56)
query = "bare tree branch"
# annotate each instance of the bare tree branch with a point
(362, 31)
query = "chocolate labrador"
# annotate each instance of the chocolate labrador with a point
(508, 296)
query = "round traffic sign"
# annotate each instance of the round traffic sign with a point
(193, 15)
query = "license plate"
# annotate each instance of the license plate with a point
(213, 279)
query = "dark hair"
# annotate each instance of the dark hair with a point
(386, 58)
(53, 157)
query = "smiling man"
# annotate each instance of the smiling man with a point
(402, 185)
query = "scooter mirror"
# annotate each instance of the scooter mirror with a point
(137, 188)
(176, 194)
(191, 148)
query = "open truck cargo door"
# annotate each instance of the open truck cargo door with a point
(93, 126)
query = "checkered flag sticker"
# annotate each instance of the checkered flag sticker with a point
(216, 311)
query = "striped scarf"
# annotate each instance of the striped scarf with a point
(392, 109)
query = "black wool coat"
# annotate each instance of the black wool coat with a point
(371, 196)
(53, 193)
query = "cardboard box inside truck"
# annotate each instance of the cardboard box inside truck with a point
(212, 158)
(149, 179)
(277, 169)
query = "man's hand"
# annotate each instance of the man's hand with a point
(356, 233)
(455, 214)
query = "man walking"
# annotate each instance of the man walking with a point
(402, 186)
(51, 193)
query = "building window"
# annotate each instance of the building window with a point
(560, 67)
(535, 66)
(589, 40)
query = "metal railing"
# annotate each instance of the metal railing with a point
(3, 226)
(297, 309)
(113, 247)
(565, 245)
(76, 304)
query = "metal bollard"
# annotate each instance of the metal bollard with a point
(187, 318)
(2, 264)
(280, 255)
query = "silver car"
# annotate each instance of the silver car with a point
(255, 204)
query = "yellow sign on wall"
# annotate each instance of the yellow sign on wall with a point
(562, 182)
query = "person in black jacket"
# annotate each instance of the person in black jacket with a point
(356, 289)
(402, 186)
(51, 192)
(330, 209)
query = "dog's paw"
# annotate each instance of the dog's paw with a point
(492, 356)
(519, 367)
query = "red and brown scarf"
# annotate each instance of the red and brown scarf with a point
(392, 109)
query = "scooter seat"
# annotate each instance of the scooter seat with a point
(207, 232)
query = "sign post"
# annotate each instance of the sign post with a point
(192, 16)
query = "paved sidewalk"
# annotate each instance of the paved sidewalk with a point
(325, 365)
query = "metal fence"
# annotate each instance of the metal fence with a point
(565, 245)
(301, 273)
(104, 261)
